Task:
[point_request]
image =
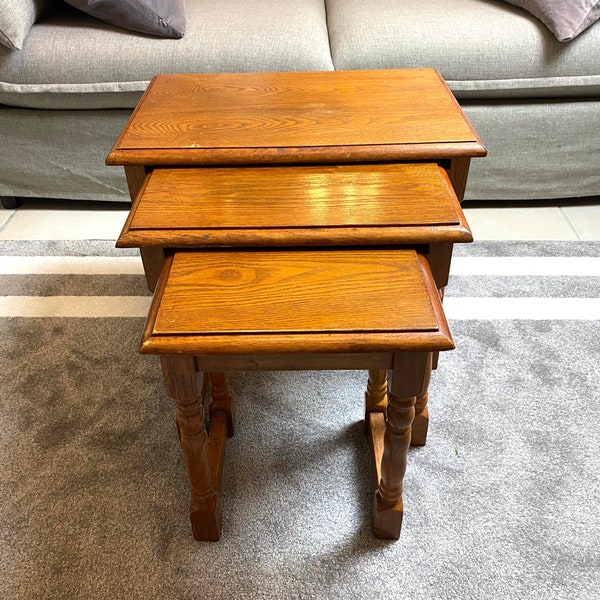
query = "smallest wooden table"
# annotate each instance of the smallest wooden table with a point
(295, 309)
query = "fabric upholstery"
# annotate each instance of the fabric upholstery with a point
(566, 20)
(536, 151)
(53, 71)
(483, 48)
(165, 18)
(60, 154)
(16, 19)
(533, 100)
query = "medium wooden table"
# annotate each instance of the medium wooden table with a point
(331, 159)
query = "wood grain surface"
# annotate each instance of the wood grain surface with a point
(232, 118)
(295, 301)
(317, 205)
(302, 291)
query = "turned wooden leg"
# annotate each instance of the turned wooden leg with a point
(181, 382)
(376, 395)
(221, 400)
(408, 380)
(421, 421)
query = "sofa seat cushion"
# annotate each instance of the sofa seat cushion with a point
(483, 48)
(73, 61)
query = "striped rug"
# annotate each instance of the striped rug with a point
(502, 502)
(491, 280)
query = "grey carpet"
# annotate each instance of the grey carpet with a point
(501, 503)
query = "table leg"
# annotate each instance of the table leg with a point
(409, 376)
(221, 399)
(376, 401)
(376, 395)
(458, 173)
(181, 382)
(421, 421)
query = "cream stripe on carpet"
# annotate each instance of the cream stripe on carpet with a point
(71, 265)
(461, 265)
(74, 306)
(553, 266)
(577, 309)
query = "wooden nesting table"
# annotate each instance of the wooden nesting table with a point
(297, 220)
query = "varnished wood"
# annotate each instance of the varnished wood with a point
(294, 291)
(152, 258)
(376, 401)
(216, 447)
(314, 154)
(181, 382)
(313, 119)
(439, 257)
(458, 172)
(376, 433)
(408, 381)
(237, 118)
(310, 205)
(299, 196)
(295, 301)
(409, 368)
(346, 236)
(420, 424)
(294, 362)
(376, 394)
(221, 401)
(135, 176)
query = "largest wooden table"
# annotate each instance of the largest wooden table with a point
(287, 119)
(294, 118)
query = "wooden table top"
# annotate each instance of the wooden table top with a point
(337, 116)
(312, 300)
(347, 204)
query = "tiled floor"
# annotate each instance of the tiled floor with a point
(54, 219)
(522, 221)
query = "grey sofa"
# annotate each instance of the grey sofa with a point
(66, 94)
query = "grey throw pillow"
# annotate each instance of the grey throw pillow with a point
(16, 19)
(156, 17)
(565, 19)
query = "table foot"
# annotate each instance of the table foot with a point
(181, 383)
(418, 436)
(206, 522)
(387, 519)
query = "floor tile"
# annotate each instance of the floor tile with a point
(64, 220)
(519, 223)
(5, 216)
(585, 219)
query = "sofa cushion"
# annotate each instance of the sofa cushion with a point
(483, 48)
(165, 18)
(566, 20)
(16, 19)
(72, 61)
